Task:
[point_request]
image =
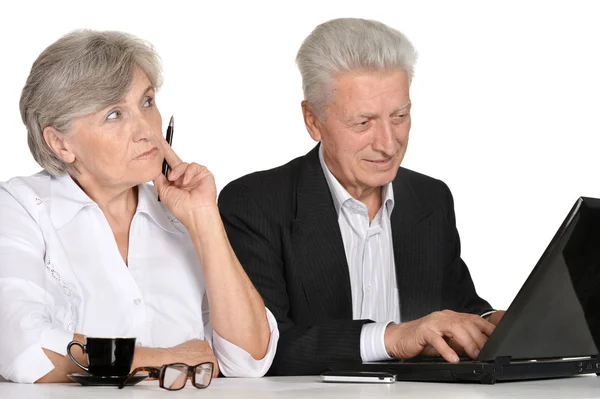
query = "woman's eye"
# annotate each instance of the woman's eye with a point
(149, 102)
(114, 115)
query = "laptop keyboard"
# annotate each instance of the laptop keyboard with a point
(437, 359)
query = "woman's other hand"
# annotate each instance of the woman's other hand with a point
(191, 353)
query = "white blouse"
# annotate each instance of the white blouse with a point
(61, 273)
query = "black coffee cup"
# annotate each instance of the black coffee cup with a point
(106, 356)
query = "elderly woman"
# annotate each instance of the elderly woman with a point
(86, 249)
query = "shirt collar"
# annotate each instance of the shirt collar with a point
(340, 195)
(67, 199)
(148, 203)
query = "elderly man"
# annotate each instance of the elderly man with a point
(357, 257)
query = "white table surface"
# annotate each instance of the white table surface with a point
(311, 387)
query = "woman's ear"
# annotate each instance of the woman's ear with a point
(58, 144)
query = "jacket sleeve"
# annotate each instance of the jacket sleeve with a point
(459, 292)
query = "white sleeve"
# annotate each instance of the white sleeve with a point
(25, 304)
(236, 362)
(488, 313)
(372, 342)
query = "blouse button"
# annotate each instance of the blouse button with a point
(137, 301)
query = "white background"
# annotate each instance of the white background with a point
(506, 100)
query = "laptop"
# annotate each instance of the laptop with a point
(552, 327)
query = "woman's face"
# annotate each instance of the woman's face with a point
(120, 145)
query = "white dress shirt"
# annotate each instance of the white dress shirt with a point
(370, 257)
(61, 273)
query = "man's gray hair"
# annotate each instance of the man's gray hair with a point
(80, 74)
(349, 44)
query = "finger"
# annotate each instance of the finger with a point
(196, 179)
(458, 332)
(170, 156)
(176, 172)
(430, 351)
(160, 183)
(439, 344)
(192, 171)
(192, 183)
(484, 326)
(478, 337)
(460, 351)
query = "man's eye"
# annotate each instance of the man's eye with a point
(114, 115)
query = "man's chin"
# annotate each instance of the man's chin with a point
(383, 177)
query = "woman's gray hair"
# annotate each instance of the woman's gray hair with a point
(348, 44)
(81, 73)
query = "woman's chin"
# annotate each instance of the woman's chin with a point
(148, 175)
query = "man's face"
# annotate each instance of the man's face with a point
(365, 129)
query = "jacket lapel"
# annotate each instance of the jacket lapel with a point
(410, 273)
(317, 244)
(319, 250)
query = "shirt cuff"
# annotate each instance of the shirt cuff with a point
(57, 340)
(32, 364)
(372, 342)
(488, 313)
(236, 362)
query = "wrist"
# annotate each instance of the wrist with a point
(207, 232)
(202, 218)
(395, 340)
(149, 357)
(389, 339)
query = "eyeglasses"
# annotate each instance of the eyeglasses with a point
(174, 376)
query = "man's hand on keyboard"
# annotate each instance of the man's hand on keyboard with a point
(445, 333)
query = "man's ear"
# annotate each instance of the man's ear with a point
(313, 125)
(58, 144)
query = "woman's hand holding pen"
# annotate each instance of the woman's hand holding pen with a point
(190, 187)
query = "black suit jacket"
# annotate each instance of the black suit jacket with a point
(283, 227)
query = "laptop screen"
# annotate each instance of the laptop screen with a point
(556, 313)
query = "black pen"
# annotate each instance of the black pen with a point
(165, 167)
(170, 129)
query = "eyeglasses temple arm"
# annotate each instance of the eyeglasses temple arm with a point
(152, 371)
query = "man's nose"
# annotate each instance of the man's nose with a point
(384, 140)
